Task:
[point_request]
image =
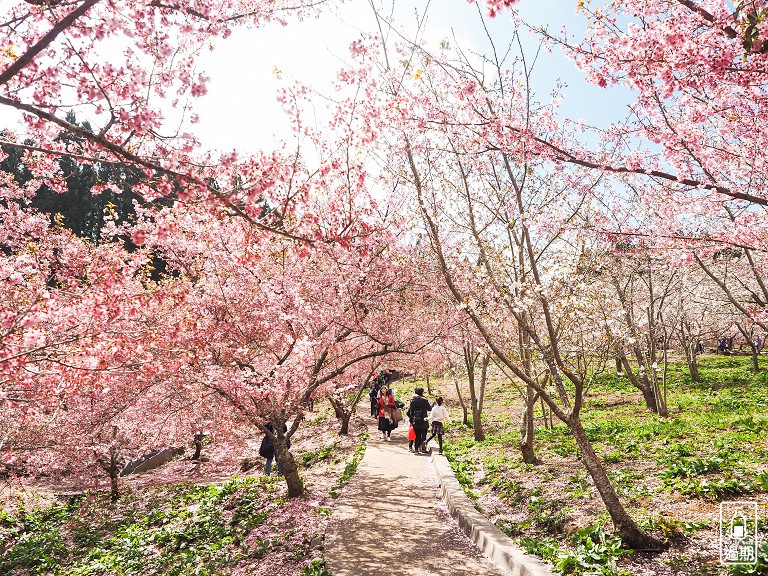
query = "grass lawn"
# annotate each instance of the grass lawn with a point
(671, 473)
(166, 525)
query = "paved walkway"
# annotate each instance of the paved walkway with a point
(391, 520)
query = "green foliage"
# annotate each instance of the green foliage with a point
(712, 445)
(719, 487)
(546, 515)
(77, 208)
(316, 568)
(546, 547)
(350, 468)
(510, 490)
(33, 540)
(578, 485)
(750, 21)
(749, 424)
(509, 527)
(630, 483)
(324, 453)
(689, 468)
(671, 528)
(760, 568)
(684, 475)
(596, 553)
(463, 472)
(183, 529)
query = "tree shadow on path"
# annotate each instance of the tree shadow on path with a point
(390, 520)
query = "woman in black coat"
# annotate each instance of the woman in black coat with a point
(418, 413)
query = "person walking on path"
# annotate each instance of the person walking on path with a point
(438, 415)
(418, 413)
(386, 403)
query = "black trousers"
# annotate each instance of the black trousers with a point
(421, 436)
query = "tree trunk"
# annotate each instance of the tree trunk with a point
(477, 421)
(114, 492)
(110, 463)
(114, 472)
(750, 339)
(755, 360)
(343, 414)
(288, 466)
(198, 445)
(630, 534)
(640, 383)
(649, 396)
(527, 428)
(662, 398)
(465, 422)
(429, 386)
(477, 425)
(693, 366)
(338, 407)
(345, 419)
(691, 346)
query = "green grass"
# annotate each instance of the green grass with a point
(593, 552)
(178, 530)
(351, 467)
(325, 453)
(710, 447)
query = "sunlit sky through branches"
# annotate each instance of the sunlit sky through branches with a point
(246, 70)
(240, 110)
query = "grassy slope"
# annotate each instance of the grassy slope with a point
(670, 472)
(244, 525)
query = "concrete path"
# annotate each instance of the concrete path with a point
(392, 521)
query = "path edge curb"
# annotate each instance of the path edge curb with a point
(489, 539)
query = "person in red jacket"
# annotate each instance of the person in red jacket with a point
(386, 404)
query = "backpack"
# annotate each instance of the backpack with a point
(417, 414)
(266, 449)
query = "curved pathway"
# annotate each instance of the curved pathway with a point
(392, 521)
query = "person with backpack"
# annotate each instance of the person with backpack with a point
(418, 413)
(267, 449)
(438, 415)
(385, 404)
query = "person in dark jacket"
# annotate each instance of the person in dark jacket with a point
(267, 450)
(418, 413)
(374, 395)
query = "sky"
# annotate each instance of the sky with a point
(240, 111)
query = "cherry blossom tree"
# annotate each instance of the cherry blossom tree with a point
(465, 355)
(691, 151)
(272, 325)
(131, 69)
(487, 205)
(82, 344)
